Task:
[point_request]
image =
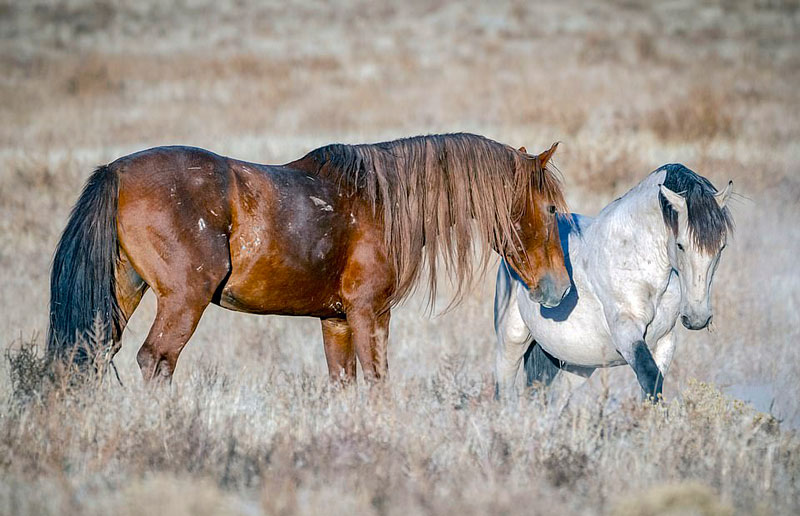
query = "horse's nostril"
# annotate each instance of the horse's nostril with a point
(685, 320)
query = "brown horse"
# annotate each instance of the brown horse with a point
(341, 234)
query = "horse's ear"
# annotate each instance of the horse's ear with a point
(723, 196)
(546, 155)
(675, 200)
(678, 203)
(523, 150)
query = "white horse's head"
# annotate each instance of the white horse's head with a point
(699, 222)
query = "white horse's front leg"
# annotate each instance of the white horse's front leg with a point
(513, 336)
(512, 342)
(628, 336)
(665, 350)
(663, 324)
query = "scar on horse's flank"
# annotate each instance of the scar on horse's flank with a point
(341, 234)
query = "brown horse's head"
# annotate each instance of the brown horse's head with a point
(536, 256)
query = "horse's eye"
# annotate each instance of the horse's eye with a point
(551, 209)
(680, 247)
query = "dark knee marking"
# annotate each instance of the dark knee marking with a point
(650, 378)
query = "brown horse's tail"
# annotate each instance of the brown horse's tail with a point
(82, 282)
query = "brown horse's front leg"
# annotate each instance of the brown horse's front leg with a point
(339, 352)
(370, 337)
(368, 281)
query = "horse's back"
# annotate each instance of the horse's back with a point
(271, 237)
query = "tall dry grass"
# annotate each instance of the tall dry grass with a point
(273, 442)
(250, 425)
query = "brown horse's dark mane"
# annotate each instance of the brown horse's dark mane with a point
(430, 190)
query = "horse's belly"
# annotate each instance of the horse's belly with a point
(281, 293)
(582, 350)
(580, 339)
(270, 281)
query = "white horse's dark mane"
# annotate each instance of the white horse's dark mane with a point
(708, 223)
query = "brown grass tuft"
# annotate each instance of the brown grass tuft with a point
(92, 77)
(566, 467)
(680, 498)
(702, 114)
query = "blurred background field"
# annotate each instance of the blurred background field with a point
(626, 86)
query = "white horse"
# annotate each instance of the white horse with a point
(648, 257)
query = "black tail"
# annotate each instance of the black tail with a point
(82, 282)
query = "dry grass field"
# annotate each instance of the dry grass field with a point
(250, 425)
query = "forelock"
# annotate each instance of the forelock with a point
(708, 223)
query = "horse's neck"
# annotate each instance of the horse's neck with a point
(632, 230)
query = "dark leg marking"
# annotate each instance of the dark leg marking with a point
(540, 367)
(650, 378)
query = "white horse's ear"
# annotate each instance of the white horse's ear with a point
(675, 200)
(723, 196)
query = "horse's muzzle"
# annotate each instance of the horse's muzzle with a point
(549, 292)
(695, 323)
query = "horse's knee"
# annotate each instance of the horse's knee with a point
(510, 348)
(506, 367)
(514, 332)
(369, 340)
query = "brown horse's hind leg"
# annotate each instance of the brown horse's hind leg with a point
(339, 352)
(184, 286)
(130, 288)
(176, 319)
